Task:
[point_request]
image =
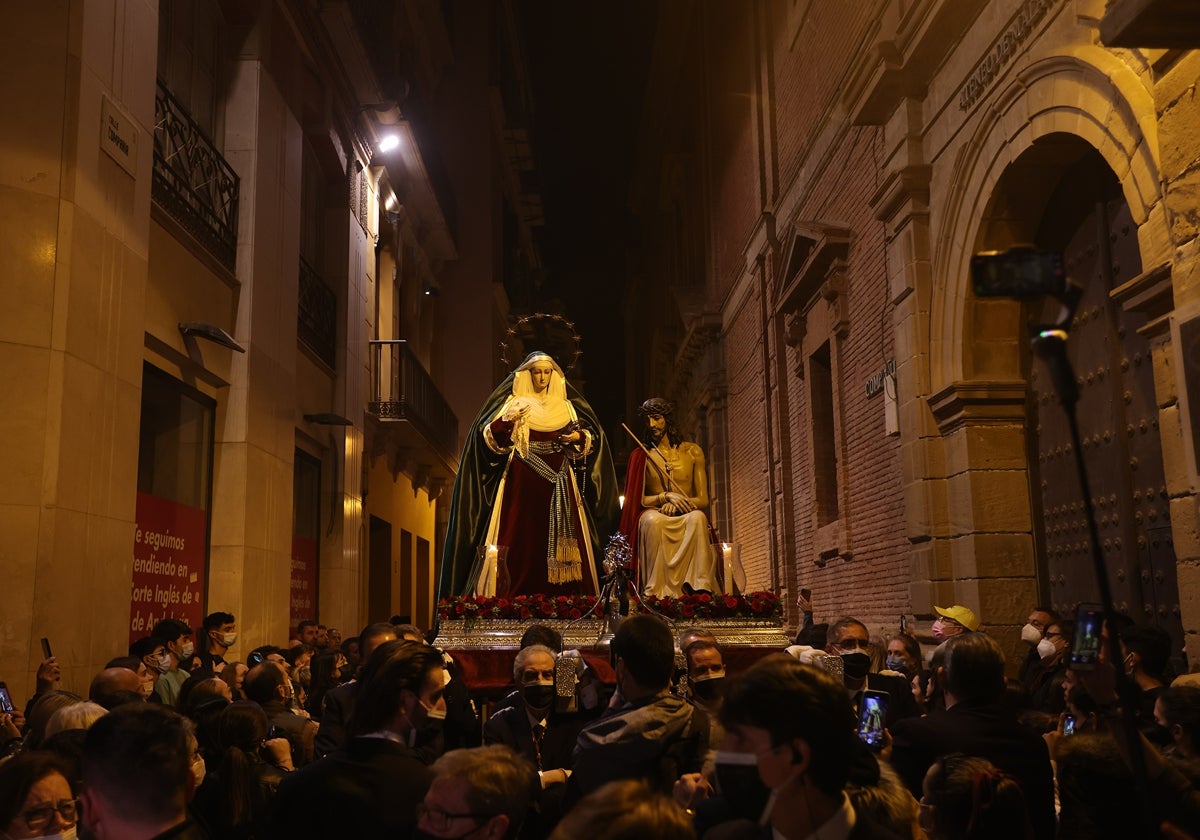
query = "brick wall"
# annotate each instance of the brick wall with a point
(810, 166)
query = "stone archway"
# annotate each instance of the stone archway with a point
(993, 193)
(1061, 195)
(970, 511)
(1090, 95)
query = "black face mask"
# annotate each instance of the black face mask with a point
(742, 788)
(856, 664)
(708, 690)
(538, 696)
(1158, 735)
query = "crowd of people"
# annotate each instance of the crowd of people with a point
(843, 735)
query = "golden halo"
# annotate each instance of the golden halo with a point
(552, 334)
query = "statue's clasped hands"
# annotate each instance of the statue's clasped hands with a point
(675, 504)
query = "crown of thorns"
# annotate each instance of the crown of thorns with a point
(655, 405)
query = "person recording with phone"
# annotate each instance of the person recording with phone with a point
(850, 639)
(788, 753)
(49, 674)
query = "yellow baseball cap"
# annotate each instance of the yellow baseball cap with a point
(960, 614)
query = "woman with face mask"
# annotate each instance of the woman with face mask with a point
(903, 655)
(1045, 683)
(36, 799)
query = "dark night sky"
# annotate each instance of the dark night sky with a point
(587, 69)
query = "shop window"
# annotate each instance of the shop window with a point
(306, 537)
(174, 489)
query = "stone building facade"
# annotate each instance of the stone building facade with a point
(815, 178)
(230, 345)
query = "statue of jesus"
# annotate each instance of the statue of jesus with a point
(666, 496)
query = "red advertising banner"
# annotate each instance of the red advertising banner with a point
(304, 580)
(169, 549)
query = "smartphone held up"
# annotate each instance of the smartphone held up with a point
(872, 710)
(1089, 623)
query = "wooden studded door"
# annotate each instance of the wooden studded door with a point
(1118, 427)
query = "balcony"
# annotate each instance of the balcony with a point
(411, 420)
(193, 184)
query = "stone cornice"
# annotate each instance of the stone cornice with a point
(909, 184)
(910, 47)
(980, 402)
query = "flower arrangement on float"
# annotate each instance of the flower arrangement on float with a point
(760, 606)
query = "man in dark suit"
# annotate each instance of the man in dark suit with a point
(975, 723)
(372, 785)
(848, 638)
(536, 730)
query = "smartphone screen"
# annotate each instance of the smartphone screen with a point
(871, 712)
(1085, 651)
(46, 654)
(1069, 725)
(6, 704)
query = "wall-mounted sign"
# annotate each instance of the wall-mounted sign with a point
(875, 383)
(118, 136)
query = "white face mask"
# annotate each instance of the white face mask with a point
(434, 712)
(1030, 635)
(1045, 648)
(198, 770)
(162, 664)
(227, 639)
(66, 834)
(188, 649)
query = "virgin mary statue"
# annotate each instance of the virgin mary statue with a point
(536, 478)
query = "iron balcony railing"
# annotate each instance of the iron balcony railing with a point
(193, 182)
(316, 320)
(402, 390)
